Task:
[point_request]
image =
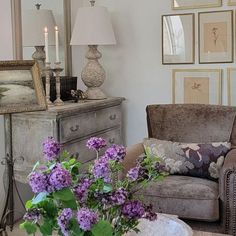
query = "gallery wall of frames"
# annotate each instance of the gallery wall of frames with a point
(213, 31)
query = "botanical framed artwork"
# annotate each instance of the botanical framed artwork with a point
(178, 39)
(197, 86)
(232, 2)
(194, 4)
(216, 37)
(231, 86)
(21, 88)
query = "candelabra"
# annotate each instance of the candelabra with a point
(57, 70)
(48, 71)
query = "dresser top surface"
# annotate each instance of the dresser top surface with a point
(71, 107)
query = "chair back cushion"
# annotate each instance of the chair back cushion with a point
(192, 123)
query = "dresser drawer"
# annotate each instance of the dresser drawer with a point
(82, 125)
(79, 148)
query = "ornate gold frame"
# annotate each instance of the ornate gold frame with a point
(193, 25)
(38, 86)
(218, 4)
(197, 70)
(199, 37)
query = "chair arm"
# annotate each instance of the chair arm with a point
(227, 188)
(132, 153)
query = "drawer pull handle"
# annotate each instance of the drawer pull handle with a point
(74, 129)
(111, 140)
(112, 117)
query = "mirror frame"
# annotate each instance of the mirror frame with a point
(17, 33)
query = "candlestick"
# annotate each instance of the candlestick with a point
(48, 72)
(57, 44)
(57, 70)
(46, 44)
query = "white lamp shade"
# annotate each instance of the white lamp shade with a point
(33, 24)
(93, 27)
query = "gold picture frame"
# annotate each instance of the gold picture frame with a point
(177, 28)
(21, 88)
(231, 86)
(197, 86)
(216, 37)
(196, 5)
(231, 3)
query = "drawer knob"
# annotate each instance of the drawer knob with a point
(111, 140)
(74, 129)
(112, 117)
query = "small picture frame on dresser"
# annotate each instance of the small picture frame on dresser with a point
(21, 89)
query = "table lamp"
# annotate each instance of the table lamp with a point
(33, 23)
(93, 27)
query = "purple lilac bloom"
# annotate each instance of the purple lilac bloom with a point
(32, 215)
(51, 148)
(81, 190)
(133, 209)
(133, 173)
(116, 153)
(96, 144)
(60, 178)
(101, 169)
(119, 196)
(86, 218)
(38, 182)
(63, 220)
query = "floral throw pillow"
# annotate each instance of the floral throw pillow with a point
(198, 160)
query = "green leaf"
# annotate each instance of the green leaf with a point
(65, 194)
(107, 188)
(76, 231)
(72, 161)
(50, 208)
(46, 228)
(28, 204)
(29, 227)
(64, 155)
(39, 198)
(102, 228)
(70, 204)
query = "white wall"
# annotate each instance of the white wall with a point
(6, 53)
(133, 66)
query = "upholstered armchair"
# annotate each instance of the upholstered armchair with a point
(191, 197)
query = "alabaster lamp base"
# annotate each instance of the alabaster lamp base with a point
(93, 75)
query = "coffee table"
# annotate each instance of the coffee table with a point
(200, 233)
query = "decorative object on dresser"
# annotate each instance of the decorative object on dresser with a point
(178, 39)
(186, 4)
(93, 27)
(33, 24)
(78, 95)
(216, 37)
(197, 86)
(68, 83)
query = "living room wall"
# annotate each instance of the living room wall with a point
(133, 66)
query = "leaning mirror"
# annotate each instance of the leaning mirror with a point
(30, 19)
(178, 39)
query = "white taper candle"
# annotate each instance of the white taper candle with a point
(46, 43)
(57, 44)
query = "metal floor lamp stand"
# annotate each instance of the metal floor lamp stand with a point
(8, 212)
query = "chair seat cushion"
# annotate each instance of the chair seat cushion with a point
(187, 197)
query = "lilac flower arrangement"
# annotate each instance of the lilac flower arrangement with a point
(93, 203)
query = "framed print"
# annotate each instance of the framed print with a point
(194, 4)
(216, 37)
(21, 88)
(232, 2)
(231, 86)
(178, 40)
(197, 86)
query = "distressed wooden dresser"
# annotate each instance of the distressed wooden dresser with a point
(71, 124)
